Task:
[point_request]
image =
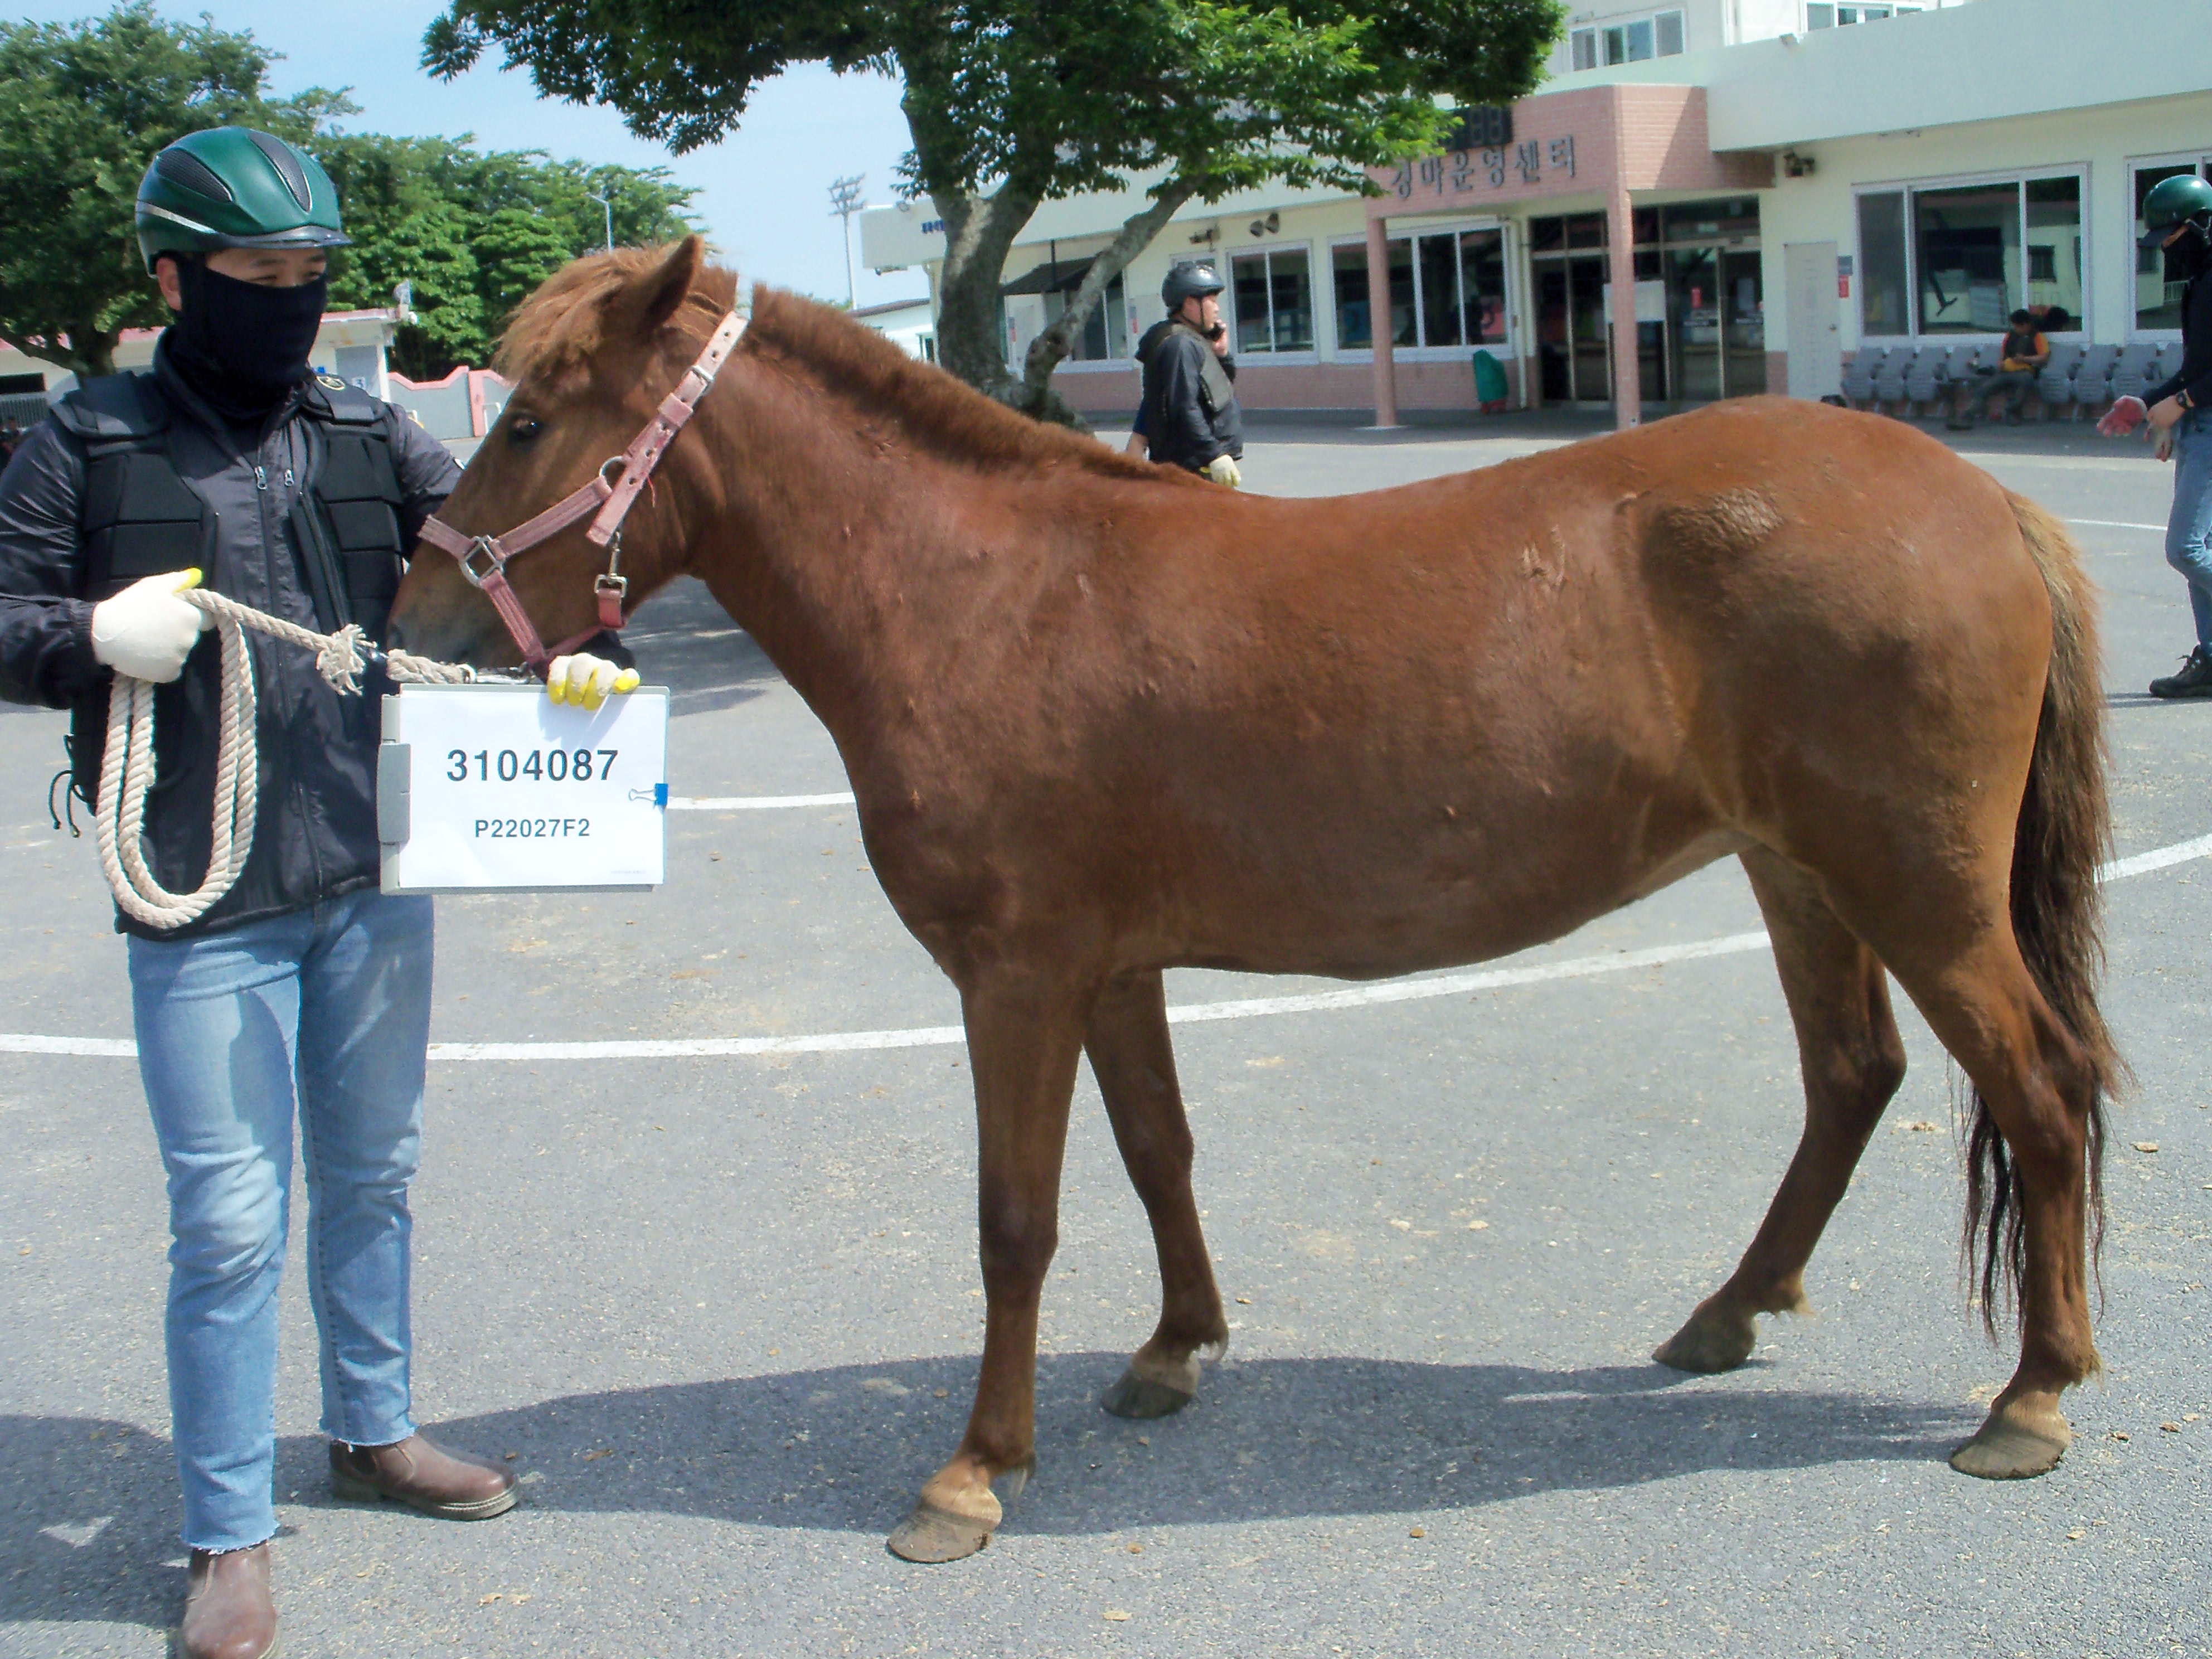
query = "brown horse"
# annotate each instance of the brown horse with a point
(1103, 719)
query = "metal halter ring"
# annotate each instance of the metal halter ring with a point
(493, 564)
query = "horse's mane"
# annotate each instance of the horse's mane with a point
(564, 322)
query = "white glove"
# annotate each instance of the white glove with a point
(146, 631)
(585, 680)
(1222, 469)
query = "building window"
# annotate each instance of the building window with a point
(1102, 334)
(2159, 284)
(1447, 288)
(1960, 258)
(1274, 300)
(1819, 16)
(1657, 36)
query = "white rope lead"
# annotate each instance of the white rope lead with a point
(126, 769)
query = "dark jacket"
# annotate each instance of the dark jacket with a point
(2195, 376)
(1191, 412)
(315, 832)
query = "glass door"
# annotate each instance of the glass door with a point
(1554, 350)
(1693, 302)
(1743, 324)
(1593, 380)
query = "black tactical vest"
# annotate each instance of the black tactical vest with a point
(142, 518)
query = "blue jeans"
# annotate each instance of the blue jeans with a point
(2189, 532)
(324, 1014)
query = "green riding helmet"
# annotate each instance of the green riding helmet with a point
(2173, 203)
(234, 188)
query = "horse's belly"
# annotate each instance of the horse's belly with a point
(1395, 924)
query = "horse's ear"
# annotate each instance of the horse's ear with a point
(664, 289)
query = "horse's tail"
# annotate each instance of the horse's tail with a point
(2063, 834)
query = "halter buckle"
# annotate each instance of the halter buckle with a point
(611, 583)
(493, 564)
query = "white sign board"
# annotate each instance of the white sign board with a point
(500, 787)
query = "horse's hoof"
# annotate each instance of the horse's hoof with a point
(930, 1534)
(2008, 1447)
(1142, 1397)
(1711, 1339)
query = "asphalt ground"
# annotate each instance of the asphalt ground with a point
(724, 1311)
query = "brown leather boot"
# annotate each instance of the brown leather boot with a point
(422, 1476)
(229, 1614)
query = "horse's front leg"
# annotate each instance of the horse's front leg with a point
(1023, 1041)
(1135, 1060)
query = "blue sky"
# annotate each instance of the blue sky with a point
(763, 191)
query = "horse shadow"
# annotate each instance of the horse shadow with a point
(845, 1448)
(682, 638)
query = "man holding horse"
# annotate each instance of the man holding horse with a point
(2178, 219)
(1191, 414)
(303, 992)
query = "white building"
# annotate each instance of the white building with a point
(910, 324)
(1906, 183)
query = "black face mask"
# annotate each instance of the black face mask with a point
(243, 345)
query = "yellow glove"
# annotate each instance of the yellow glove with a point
(1223, 470)
(584, 681)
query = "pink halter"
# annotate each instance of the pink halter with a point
(611, 501)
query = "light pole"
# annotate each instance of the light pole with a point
(609, 208)
(844, 203)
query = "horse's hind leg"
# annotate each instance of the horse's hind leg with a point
(1853, 1061)
(2040, 1088)
(1130, 1051)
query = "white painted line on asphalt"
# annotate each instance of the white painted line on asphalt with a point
(109, 1048)
(2115, 524)
(751, 803)
(1192, 1013)
(2157, 858)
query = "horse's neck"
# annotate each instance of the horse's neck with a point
(868, 561)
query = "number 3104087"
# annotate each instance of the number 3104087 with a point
(546, 765)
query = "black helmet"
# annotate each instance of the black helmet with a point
(234, 188)
(2171, 204)
(1190, 279)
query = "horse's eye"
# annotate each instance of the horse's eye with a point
(525, 430)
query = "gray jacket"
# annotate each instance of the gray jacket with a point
(315, 832)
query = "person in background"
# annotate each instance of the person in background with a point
(1192, 420)
(11, 439)
(2177, 218)
(2020, 361)
(299, 1003)
(1140, 427)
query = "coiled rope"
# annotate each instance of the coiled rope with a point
(126, 770)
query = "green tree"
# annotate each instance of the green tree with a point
(472, 232)
(1010, 103)
(83, 108)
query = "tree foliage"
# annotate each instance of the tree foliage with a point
(1013, 103)
(84, 106)
(474, 232)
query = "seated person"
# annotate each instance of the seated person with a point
(2025, 351)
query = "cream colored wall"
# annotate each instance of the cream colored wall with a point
(1313, 226)
(2102, 141)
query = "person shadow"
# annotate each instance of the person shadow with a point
(845, 1448)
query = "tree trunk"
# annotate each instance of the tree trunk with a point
(1050, 349)
(979, 233)
(98, 357)
(97, 351)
